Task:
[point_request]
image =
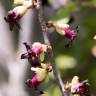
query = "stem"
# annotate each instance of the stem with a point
(46, 40)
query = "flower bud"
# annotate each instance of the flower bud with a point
(40, 75)
(14, 16)
(64, 29)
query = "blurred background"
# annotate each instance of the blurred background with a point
(79, 60)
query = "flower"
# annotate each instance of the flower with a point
(64, 30)
(32, 58)
(15, 15)
(40, 75)
(77, 87)
(34, 52)
(33, 83)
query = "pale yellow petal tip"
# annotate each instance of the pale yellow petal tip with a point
(93, 51)
(94, 37)
(34, 69)
(66, 25)
(16, 2)
(31, 68)
(50, 22)
(61, 25)
(75, 79)
(20, 10)
(36, 44)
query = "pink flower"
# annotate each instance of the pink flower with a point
(33, 83)
(64, 30)
(34, 52)
(69, 33)
(40, 75)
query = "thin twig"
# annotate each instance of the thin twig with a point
(46, 40)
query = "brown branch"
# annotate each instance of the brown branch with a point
(46, 40)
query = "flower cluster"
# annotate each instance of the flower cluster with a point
(33, 53)
(41, 69)
(63, 29)
(78, 88)
(18, 12)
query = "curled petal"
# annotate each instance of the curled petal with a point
(70, 34)
(39, 48)
(33, 83)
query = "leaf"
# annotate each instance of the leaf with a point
(65, 62)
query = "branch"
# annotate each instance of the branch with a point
(46, 40)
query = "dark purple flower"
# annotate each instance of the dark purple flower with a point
(14, 16)
(84, 88)
(12, 19)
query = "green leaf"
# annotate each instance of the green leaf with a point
(65, 62)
